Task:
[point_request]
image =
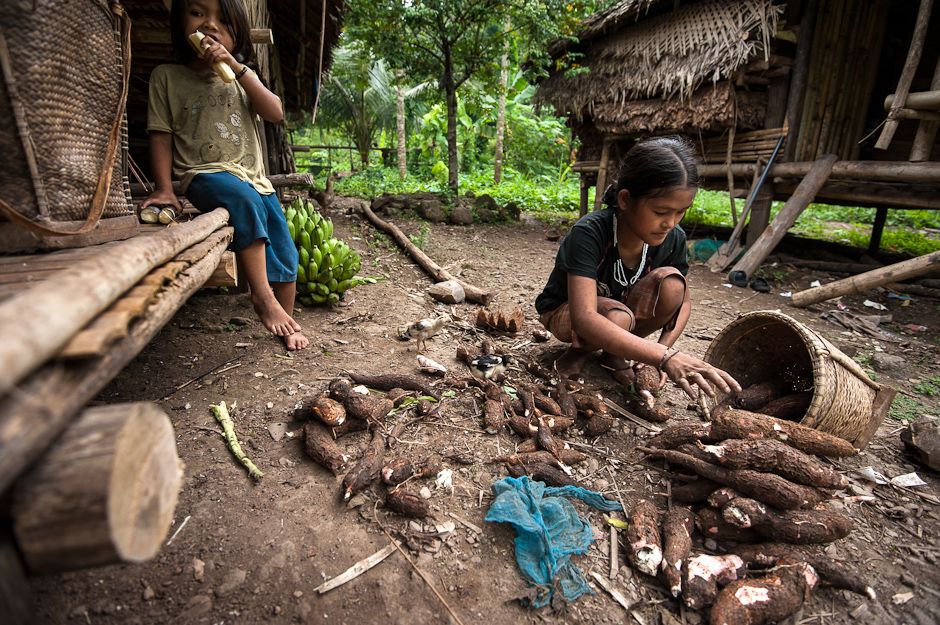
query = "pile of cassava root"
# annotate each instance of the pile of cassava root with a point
(744, 478)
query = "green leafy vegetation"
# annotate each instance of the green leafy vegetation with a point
(905, 408)
(929, 387)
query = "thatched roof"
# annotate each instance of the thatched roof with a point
(667, 56)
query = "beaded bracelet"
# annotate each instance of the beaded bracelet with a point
(669, 353)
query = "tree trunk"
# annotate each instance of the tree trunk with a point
(105, 493)
(501, 108)
(400, 125)
(450, 92)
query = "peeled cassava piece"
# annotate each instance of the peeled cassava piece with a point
(644, 549)
(226, 73)
(327, 266)
(765, 600)
(703, 574)
(800, 527)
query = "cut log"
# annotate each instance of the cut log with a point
(16, 600)
(105, 493)
(474, 294)
(226, 274)
(40, 408)
(801, 198)
(868, 280)
(32, 326)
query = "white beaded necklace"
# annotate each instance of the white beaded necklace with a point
(619, 274)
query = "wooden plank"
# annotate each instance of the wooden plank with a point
(32, 326)
(41, 406)
(113, 324)
(226, 274)
(785, 219)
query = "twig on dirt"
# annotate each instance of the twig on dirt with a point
(465, 523)
(623, 412)
(178, 530)
(616, 594)
(357, 569)
(199, 377)
(614, 556)
(423, 576)
(459, 427)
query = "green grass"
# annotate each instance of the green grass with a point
(549, 197)
(905, 408)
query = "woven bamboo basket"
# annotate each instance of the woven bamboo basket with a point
(64, 68)
(767, 345)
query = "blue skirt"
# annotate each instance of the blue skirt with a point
(254, 216)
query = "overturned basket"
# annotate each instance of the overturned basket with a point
(766, 346)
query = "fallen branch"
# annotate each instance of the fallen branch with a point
(474, 294)
(356, 569)
(220, 412)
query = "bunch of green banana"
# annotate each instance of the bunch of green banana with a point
(327, 266)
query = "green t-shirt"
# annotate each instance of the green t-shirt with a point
(588, 250)
(212, 123)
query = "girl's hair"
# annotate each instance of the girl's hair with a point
(233, 15)
(653, 167)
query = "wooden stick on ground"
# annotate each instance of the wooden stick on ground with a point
(356, 569)
(474, 294)
(220, 412)
(868, 280)
(616, 594)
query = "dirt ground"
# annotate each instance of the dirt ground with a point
(255, 552)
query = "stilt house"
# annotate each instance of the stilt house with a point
(859, 79)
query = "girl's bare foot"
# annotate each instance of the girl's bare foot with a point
(295, 341)
(273, 316)
(620, 369)
(570, 363)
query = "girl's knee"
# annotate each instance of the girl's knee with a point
(623, 318)
(671, 295)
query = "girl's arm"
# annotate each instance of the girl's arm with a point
(161, 163)
(595, 329)
(263, 100)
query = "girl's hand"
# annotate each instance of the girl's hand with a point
(663, 378)
(687, 370)
(214, 52)
(162, 198)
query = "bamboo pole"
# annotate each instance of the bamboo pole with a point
(39, 408)
(920, 101)
(105, 493)
(798, 202)
(869, 280)
(33, 326)
(602, 175)
(907, 74)
(871, 44)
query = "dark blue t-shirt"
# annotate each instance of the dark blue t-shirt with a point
(588, 250)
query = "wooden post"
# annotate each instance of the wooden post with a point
(907, 74)
(33, 327)
(868, 280)
(877, 228)
(16, 601)
(41, 406)
(602, 175)
(760, 212)
(226, 274)
(105, 493)
(926, 130)
(582, 206)
(800, 199)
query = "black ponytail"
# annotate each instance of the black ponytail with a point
(653, 167)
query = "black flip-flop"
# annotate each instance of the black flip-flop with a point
(760, 285)
(738, 278)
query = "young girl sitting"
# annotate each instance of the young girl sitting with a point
(620, 274)
(203, 132)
